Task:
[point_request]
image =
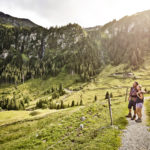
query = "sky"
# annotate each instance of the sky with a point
(86, 13)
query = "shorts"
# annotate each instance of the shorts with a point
(132, 104)
(139, 105)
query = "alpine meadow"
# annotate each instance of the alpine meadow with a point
(66, 87)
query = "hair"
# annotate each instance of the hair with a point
(136, 83)
(142, 91)
(140, 86)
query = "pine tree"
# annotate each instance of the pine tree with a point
(77, 104)
(81, 102)
(107, 95)
(134, 60)
(62, 105)
(111, 95)
(95, 98)
(52, 89)
(58, 106)
(72, 104)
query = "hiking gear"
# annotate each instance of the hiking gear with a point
(129, 115)
(139, 105)
(133, 118)
(138, 120)
(132, 104)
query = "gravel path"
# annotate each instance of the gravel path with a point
(136, 136)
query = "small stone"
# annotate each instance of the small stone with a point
(81, 126)
(82, 118)
(44, 141)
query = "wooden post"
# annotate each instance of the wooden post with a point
(126, 94)
(110, 111)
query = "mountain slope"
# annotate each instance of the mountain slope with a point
(6, 19)
(42, 52)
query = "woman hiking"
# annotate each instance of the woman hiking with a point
(139, 103)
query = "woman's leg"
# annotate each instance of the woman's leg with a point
(137, 111)
(140, 113)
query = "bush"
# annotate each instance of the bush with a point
(42, 104)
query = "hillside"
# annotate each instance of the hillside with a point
(9, 21)
(54, 83)
(42, 52)
(62, 129)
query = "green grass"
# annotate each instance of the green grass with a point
(60, 129)
(147, 104)
(7, 117)
(35, 88)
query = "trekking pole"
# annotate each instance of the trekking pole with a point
(110, 111)
(126, 94)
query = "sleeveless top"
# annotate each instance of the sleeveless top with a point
(139, 100)
(133, 92)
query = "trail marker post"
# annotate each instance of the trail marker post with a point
(110, 111)
(126, 94)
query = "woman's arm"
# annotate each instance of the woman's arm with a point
(140, 95)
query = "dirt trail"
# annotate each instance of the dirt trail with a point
(136, 136)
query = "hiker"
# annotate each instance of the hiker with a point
(132, 101)
(139, 103)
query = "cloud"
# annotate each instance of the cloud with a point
(60, 12)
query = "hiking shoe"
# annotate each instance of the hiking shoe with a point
(138, 120)
(133, 118)
(129, 115)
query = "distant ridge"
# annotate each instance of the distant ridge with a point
(6, 19)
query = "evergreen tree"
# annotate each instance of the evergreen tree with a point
(72, 104)
(111, 95)
(81, 102)
(77, 104)
(134, 60)
(62, 105)
(95, 98)
(58, 106)
(107, 95)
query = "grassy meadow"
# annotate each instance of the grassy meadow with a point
(64, 129)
